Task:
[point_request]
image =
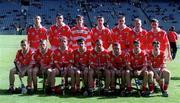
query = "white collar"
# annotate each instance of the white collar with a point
(114, 53)
(83, 51)
(136, 31)
(154, 53)
(63, 24)
(100, 29)
(95, 49)
(158, 29)
(135, 53)
(40, 26)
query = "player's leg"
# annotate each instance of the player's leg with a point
(12, 79)
(72, 75)
(107, 79)
(151, 81)
(34, 76)
(77, 81)
(128, 80)
(166, 76)
(113, 80)
(144, 74)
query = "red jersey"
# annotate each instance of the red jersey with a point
(34, 36)
(43, 59)
(63, 58)
(159, 36)
(140, 36)
(81, 58)
(56, 32)
(77, 33)
(117, 61)
(24, 59)
(137, 61)
(104, 35)
(156, 61)
(121, 36)
(172, 36)
(99, 59)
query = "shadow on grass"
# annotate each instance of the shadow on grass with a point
(175, 78)
(4, 92)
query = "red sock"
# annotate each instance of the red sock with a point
(144, 88)
(161, 86)
(129, 88)
(165, 87)
(151, 87)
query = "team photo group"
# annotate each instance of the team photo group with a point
(97, 58)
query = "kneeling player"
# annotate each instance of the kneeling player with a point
(42, 62)
(24, 64)
(157, 68)
(117, 66)
(99, 60)
(63, 60)
(137, 67)
(81, 63)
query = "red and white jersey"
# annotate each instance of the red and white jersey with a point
(34, 35)
(137, 61)
(156, 61)
(77, 33)
(81, 58)
(140, 36)
(63, 58)
(159, 36)
(104, 35)
(44, 60)
(24, 59)
(99, 59)
(117, 61)
(121, 36)
(55, 32)
(172, 36)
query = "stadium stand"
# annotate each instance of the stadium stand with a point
(16, 17)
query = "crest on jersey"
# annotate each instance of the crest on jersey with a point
(95, 34)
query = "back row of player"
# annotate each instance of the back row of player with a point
(120, 33)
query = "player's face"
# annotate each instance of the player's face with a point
(43, 45)
(121, 21)
(154, 24)
(156, 46)
(137, 23)
(116, 48)
(81, 44)
(100, 21)
(59, 19)
(37, 20)
(63, 42)
(79, 21)
(136, 46)
(24, 46)
(99, 44)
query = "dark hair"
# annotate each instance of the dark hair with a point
(155, 42)
(58, 14)
(136, 42)
(80, 40)
(172, 28)
(23, 41)
(100, 17)
(154, 20)
(79, 17)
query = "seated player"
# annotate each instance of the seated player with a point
(63, 60)
(137, 67)
(42, 62)
(81, 63)
(98, 63)
(157, 68)
(117, 67)
(24, 63)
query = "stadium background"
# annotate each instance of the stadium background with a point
(16, 15)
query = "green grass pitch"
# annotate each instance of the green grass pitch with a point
(8, 47)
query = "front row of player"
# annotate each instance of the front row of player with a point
(91, 66)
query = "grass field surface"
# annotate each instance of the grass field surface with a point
(8, 47)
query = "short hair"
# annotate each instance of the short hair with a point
(154, 20)
(121, 16)
(80, 40)
(136, 42)
(100, 17)
(37, 16)
(23, 41)
(137, 19)
(172, 28)
(79, 17)
(116, 44)
(58, 14)
(43, 40)
(63, 37)
(99, 40)
(155, 42)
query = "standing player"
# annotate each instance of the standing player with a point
(157, 68)
(121, 33)
(172, 36)
(42, 62)
(117, 66)
(137, 66)
(24, 64)
(63, 60)
(58, 30)
(81, 63)
(138, 33)
(98, 63)
(80, 31)
(101, 32)
(157, 34)
(36, 33)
